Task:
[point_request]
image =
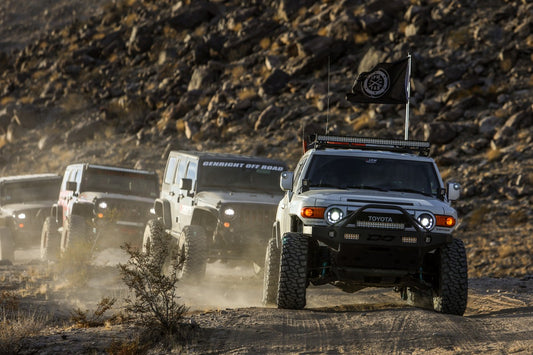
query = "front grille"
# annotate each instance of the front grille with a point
(127, 210)
(253, 215)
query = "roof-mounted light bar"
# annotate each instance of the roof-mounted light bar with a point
(347, 142)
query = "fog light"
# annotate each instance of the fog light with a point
(409, 240)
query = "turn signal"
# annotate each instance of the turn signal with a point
(313, 212)
(445, 221)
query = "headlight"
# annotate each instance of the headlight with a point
(229, 212)
(102, 205)
(21, 216)
(152, 210)
(426, 220)
(333, 215)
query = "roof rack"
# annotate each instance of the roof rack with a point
(317, 141)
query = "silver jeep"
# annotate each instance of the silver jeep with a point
(366, 212)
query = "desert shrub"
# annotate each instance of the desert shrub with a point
(85, 319)
(154, 299)
(17, 324)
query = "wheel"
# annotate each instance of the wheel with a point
(293, 271)
(154, 230)
(75, 234)
(451, 294)
(7, 246)
(50, 240)
(192, 256)
(156, 244)
(271, 273)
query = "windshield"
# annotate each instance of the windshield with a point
(120, 182)
(373, 173)
(236, 175)
(19, 192)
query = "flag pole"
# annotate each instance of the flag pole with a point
(408, 96)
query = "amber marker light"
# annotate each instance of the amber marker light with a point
(313, 212)
(100, 215)
(226, 224)
(21, 225)
(445, 221)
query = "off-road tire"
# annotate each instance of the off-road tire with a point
(293, 271)
(156, 244)
(271, 273)
(451, 294)
(153, 231)
(50, 240)
(76, 232)
(7, 246)
(192, 257)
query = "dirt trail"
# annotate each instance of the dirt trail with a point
(226, 308)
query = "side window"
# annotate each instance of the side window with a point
(66, 178)
(298, 171)
(191, 170)
(171, 168)
(182, 166)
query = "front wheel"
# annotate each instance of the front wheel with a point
(293, 271)
(451, 294)
(271, 273)
(75, 235)
(50, 239)
(7, 246)
(192, 255)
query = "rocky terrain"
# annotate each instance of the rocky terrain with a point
(123, 82)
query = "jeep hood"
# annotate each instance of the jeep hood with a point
(214, 197)
(359, 197)
(34, 205)
(90, 196)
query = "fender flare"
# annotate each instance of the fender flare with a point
(162, 211)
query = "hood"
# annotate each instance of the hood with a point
(360, 197)
(213, 197)
(91, 196)
(34, 205)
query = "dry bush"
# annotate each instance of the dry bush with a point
(493, 154)
(16, 324)
(85, 320)
(155, 302)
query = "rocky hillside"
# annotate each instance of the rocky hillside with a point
(125, 82)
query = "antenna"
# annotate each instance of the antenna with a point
(408, 96)
(327, 111)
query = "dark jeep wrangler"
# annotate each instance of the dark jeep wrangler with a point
(103, 205)
(366, 212)
(25, 201)
(216, 207)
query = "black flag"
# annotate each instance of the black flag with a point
(386, 83)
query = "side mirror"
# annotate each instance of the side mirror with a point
(72, 185)
(186, 184)
(285, 180)
(453, 191)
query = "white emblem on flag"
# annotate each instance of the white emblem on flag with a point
(376, 84)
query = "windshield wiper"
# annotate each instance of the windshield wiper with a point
(412, 191)
(366, 187)
(328, 185)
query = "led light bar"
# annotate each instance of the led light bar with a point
(380, 225)
(347, 142)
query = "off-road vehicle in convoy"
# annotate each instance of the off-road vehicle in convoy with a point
(215, 206)
(365, 212)
(25, 201)
(103, 206)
